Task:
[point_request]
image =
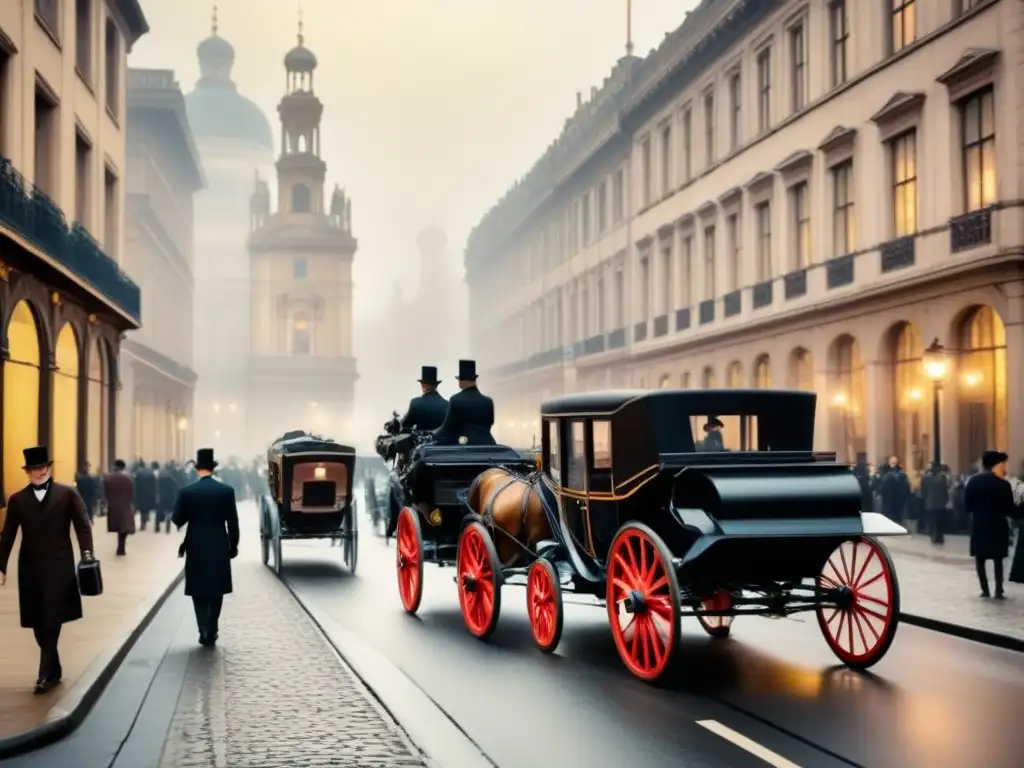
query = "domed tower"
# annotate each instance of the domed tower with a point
(302, 370)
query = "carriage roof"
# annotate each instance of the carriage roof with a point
(293, 444)
(692, 401)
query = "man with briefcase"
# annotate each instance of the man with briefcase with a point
(48, 584)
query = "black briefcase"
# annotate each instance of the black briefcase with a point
(90, 578)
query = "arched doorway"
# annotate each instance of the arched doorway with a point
(911, 397)
(707, 379)
(801, 370)
(665, 382)
(763, 372)
(981, 383)
(846, 386)
(21, 394)
(684, 380)
(65, 406)
(99, 404)
(734, 375)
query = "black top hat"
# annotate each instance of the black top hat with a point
(713, 421)
(37, 457)
(991, 459)
(428, 375)
(467, 370)
(204, 459)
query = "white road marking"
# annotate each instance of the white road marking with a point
(749, 745)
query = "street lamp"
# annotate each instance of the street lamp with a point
(936, 367)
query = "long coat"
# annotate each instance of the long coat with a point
(48, 593)
(167, 484)
(207, 507)
(120, 493)
(425, 412)
(989, 502)
(145, 489)
(470, 415)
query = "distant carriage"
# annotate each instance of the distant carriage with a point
(310, 480)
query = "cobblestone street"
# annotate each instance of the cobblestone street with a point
(273, 694)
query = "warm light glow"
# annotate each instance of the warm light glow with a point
(182, 424)
(511, 425)
(973, 379)
(300, 324)
(525, 425)
(320, 473)
(914, 394)
(839, 401)
(936, 364)
(21, 396)
(536, 423)
(313, 404)
(232, 407)
(216, 407)
(64, 442)
(217, 433)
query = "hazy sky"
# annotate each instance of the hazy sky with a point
(432, 107)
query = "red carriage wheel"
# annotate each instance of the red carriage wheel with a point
(544, 604)
(479, 580)
(717, 626)
(643, 600)
(409, 560)
(860, 627)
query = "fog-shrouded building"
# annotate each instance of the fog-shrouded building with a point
(235, 145)
(301, 370)
(783, 194)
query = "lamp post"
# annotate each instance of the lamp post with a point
(936, 367)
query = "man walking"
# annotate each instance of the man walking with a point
(207, 507)
(48, 593)
(935, 500)
(989, 501)
(119, 489)
(145, 492)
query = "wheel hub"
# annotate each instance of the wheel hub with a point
(634, 602)
(469, 583)
(845, 597)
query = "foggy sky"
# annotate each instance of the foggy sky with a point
(432, 107)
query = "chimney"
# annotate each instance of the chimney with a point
(579, 99)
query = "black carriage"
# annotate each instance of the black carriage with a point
(709, 504)
(310, 479)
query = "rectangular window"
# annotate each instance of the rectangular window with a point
(709, 128)
(83, 179)
(709, 262)
(111, 213)
(602, 208)
(735, 251)
(735, 111)
(904, 24)
(764, 242)
(842, 209)
(687, 169)
(666, 160)
(112, 50)
(618, 197)
(47, 128)
(602, 444)
(300, 269)
(620, 299)
(48, 14)
(666, 278)
(686, 273)
(839, 31)
(645, 290)
(577, 469)
(904, 183)
(585, 224)
(802, 225)
(83, 39)
(798, 56)
(554, 457)
(646, 191)
(764, 90)
(978, 130)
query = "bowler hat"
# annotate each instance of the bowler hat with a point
(713, 421)
(991, 459)
(37, 457)
(467, 370)
(204, 459)
(428, 375)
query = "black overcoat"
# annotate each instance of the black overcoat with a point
(988, 499)
(48, 593)
(167, 486)
(425, 412)
(145, 490)
(470, 415)
(207, 507)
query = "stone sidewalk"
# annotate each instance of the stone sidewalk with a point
(129, 583)
(939, 582)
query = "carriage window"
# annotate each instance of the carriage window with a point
(712, 434)
(554, 458)
(602, 445)
(319, 486)
(577, 457)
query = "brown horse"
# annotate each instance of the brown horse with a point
(512, 503)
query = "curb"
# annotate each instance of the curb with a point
(427, 725)
(69, 713)
(994, 639)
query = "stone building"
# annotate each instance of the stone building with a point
(788, 194)
(64, 301)
(164, 173)
(301, 368)
(235, 143)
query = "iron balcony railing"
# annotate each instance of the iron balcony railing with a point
(29, 212)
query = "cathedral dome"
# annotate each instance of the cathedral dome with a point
(300, 59)
(215, 49)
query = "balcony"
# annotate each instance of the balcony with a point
(732, 303)
(839, 271)
(707, 311)
(896, 254)
(594, 345)
(971, 230)
(617, 339)
(35, 217)
(795, 284)
(660, 326)
(763, 294)
(683, 319)
(640, 332)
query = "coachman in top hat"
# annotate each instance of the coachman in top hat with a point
(470, 412)
(48, 591)
(427, 411)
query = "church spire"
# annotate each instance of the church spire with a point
(301, 37)
(215, 26)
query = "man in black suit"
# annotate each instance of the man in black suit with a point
(207, 507)
(427, 411)
(988, 498)
(470, 412)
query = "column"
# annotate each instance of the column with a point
(1014, 322)
(879, 409)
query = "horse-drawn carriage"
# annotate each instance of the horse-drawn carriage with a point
(310, 479)
(633, 508)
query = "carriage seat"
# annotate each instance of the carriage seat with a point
(461, 454)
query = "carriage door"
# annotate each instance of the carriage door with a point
(574, 489)
(603, 509)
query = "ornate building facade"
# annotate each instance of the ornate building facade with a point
(164, 173)
(235, 143)
(301, 367)
(788, 194)
(64, 301)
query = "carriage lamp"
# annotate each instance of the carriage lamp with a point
(320, 472)
(936, 366)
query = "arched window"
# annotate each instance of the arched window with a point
(911, 397)
(801, 370)
(734, 375)
(99, 405)
(684, 380)
(847, 387)
(707, 379)
(21, 395)
(763, 373)
(64, 407)
(982, 383)
(666, 381)
(300, 199)
(301, 340)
